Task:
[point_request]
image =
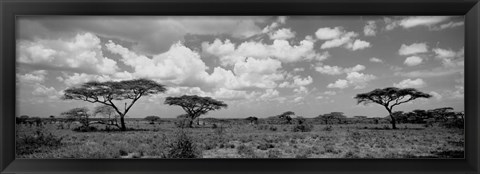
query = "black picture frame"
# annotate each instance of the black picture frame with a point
(11, 8)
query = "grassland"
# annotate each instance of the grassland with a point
(254, 141)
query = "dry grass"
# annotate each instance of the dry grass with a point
(261, 141)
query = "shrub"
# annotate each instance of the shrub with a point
(246, 151)
(273, 128)
(183, 147)
(274, 153)
(85, 129)
(40, 141)
(328, 128)
(304, 127)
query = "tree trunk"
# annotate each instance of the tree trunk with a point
(122, 123)
(393, 119)
(190, 123)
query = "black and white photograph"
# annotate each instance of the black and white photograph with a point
(334, 87)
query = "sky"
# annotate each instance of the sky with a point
(259, 65)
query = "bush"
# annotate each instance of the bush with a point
(274, 153)
(304, 127)
(273, 128)
(85, 129)
(328, 128)
(39, 142)
(453, 124)
(246, 151)
(183, 147)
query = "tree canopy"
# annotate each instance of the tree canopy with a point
(195, 106)
(106, 92)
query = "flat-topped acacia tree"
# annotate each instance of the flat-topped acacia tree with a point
(195, 106)
(390, 97)
(107, 92)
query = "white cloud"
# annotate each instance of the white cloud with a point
(374, 59)
(345, 39)
(336, 70)
(282, 34)
(330, 93)
(359, 80)
(43, 91)
(360, 45)
(83, 53)
(450, 58)
(413, 49)
(329, 33)
(280, 20)
(409, 83)
(322, 56)
(269, 94)
(330, 70)
(80, 78)
(298, 99)
(369, 29)
(390, 24)
(299, 69)
(37, 76)
(279, 49)
(428, 21)
(436, 95)
(356, 79)
(413, 61)
(340, 83)
(432, 22)
(297, 80)
(451, 24)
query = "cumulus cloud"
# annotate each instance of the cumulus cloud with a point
(377, 60)
(370, 28)
(413, 61)
(279, 49)
(329, 33)
(360, 45)
(156, 34)
(337, 37)
(336, 70)
(340, 83)
(83, 53)
(356, 79)
(282, 34)
(80, 78)
(184, 67)
(414, 48)
(359, 80)
(37, 76)
(409, 83)
(44, 91)
(344, 40)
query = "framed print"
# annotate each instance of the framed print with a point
(239, 87)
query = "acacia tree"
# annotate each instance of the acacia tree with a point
(79, 114)
(108, 92)
(109, 113)
(195, 106)
(390, 97)
(287, 116)
(252, 119)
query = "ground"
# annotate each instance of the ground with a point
(255, 141)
